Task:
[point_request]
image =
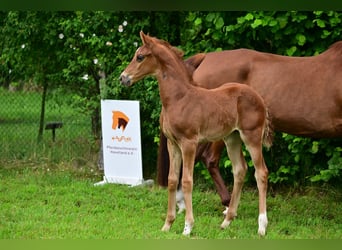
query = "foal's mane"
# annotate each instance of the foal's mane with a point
(178, 54)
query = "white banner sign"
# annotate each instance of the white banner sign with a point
(121, 142)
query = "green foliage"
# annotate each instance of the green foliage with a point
(334, 166)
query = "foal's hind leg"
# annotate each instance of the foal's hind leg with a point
(175, 163)
(234, 149)
(253, 143)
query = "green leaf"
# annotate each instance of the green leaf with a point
(315, 147)
(210, 17)
(198, 21)
(297, 158)
(256, 23)
(216, 36)
(227, 164)
(229, 28)
(291, 50)
(318, 13)
(219, 23)
(241, 20)
(209, 31)
(273, 23)
(282, 22)
(320, 23)
(249, 16)
(301, 39)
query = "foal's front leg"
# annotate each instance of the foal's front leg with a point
(175, 164)
(188, 155)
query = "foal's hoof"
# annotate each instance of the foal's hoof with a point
(262, 231)
(225, 224)
(166, 228)
(262, 220)
(187, 229)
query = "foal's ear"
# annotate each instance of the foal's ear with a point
(142, 36)
(145, 38)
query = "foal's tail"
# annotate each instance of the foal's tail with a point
(268, 132)
(163, 163)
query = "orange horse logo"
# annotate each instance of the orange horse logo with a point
(120, 120)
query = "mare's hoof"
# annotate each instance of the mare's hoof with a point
(225, 212)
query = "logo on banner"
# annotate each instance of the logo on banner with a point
(120, 121)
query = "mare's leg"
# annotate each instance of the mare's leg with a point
(234, 149)
(188, 156)
(211, 157)
(180, 200)
(253, 142)
(209, 154)
(175, 163)
(163, 161)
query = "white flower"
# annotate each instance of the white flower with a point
(85, 77)
(23, 46)
(81, 35)
(135, 44)
(9, 71)
(94, 34)
(124, 23)
(61, 36)
(108, 43)
(120, 29)
(95, 61)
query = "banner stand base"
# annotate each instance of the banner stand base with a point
(101, 183)
(148, 183)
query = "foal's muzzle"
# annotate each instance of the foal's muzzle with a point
(125, 79)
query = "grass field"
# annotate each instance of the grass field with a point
(61, 202)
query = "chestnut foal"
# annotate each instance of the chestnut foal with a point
(232, 112)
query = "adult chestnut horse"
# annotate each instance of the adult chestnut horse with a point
(303, 94)
(233, 112)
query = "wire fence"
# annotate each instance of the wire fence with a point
(66, 133)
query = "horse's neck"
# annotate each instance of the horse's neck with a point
(174, 83)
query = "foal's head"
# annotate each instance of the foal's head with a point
(147, 59)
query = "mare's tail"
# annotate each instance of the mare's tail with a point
(163, 163)
(268, 132)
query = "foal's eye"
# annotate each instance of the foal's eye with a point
(140, 58)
